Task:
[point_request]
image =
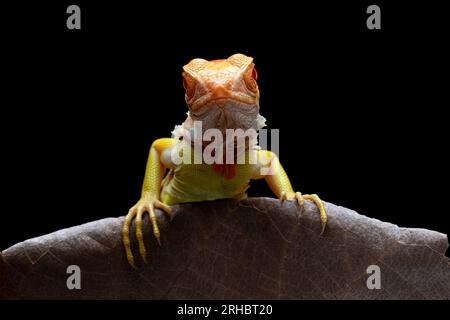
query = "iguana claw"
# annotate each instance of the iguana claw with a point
(143, 206)
(301, 202)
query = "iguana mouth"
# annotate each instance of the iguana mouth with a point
(233, 98)
(224, 115)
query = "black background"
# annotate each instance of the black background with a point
(361, 112)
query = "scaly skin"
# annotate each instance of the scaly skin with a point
(222, 94)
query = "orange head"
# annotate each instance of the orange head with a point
(223, 94)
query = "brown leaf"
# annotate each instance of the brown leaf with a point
(255, 248)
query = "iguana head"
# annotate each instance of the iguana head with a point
(223, 94)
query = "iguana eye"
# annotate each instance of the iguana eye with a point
(185, 84)
(250, 79)
(254, 74)
(188, 85)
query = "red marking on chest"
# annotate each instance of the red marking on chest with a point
(228, 171)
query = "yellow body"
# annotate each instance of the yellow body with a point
(199, 182)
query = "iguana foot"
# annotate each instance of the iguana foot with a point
(301, 202)
(144, 205)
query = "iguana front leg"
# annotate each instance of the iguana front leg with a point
(271, 169)
(150, 199)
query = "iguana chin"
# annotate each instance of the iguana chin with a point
(222, 94)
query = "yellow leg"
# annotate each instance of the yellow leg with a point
(154, 175)
(279, 183)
